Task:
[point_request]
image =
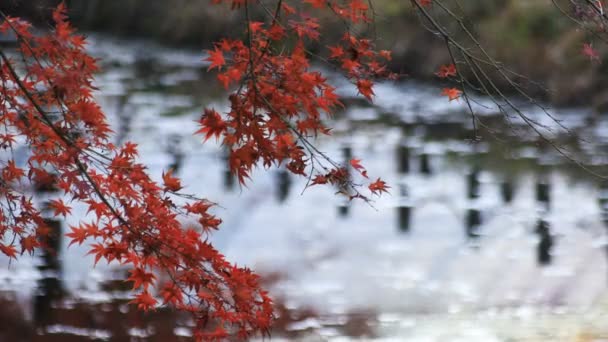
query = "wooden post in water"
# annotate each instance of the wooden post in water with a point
(283, 185)
(347, 154)
(506, 191)
(473, 217)
(124, 118)
(543, 192)
(50, 287)
(228, 175)
(404, 210)
(174, 149)
(403, 159)
(344, 206)
(473, 223)
(425, 166)
(602, 200)
(545, 245)
(473, 184)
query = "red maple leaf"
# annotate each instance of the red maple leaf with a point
(144, 301)
(59, 207)
(216, 57)
(8, 250)
(356, 164)
(336, 51)
(171, 183)
(365, 88)
(212, 124)
(590, 52)
(446, 71)
(378, 187)
(451, 93)
(319, 179)
(316, 3)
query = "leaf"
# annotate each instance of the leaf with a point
(317, 3)
(141, 278)
(212, 124)
(171, 183)
(378, 187)
(216, 57)
(59, 207)
(356, 164)
(29, 243)
(78, 235)
(451, 93)
(98, 250)
(365, 88)
(144, 301)
(8, 250)
(319, 179)
(336, 52)
(171, 294)
(590, 52)
(446, 71)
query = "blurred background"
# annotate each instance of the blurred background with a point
(493, 239)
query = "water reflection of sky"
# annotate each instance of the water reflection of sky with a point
(434, 283)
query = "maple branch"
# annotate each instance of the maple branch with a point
(474, 63)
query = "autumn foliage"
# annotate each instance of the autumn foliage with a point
(278, 104)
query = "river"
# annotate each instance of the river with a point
(496, 239)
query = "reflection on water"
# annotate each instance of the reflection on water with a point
(546, 242)
(50, 287)
(283, 184)
(499, 239)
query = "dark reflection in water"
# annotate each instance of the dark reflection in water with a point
(403, 159)
(404, 213)
(175, 151)
(507, 190)
(404, 209)
(283, 185)
(473, 183)
(146, 68)
(344, 205)
(343, 208)
(425, 164)
(603, 204)
(125, 118)
(543, 192)
(473, 223)
(545, 244)
(50, 286)
(347, 154)
(227, 173)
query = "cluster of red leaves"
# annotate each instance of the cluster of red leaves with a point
(361, 63)
(446, 71)
(279, 101)
(46, 104)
